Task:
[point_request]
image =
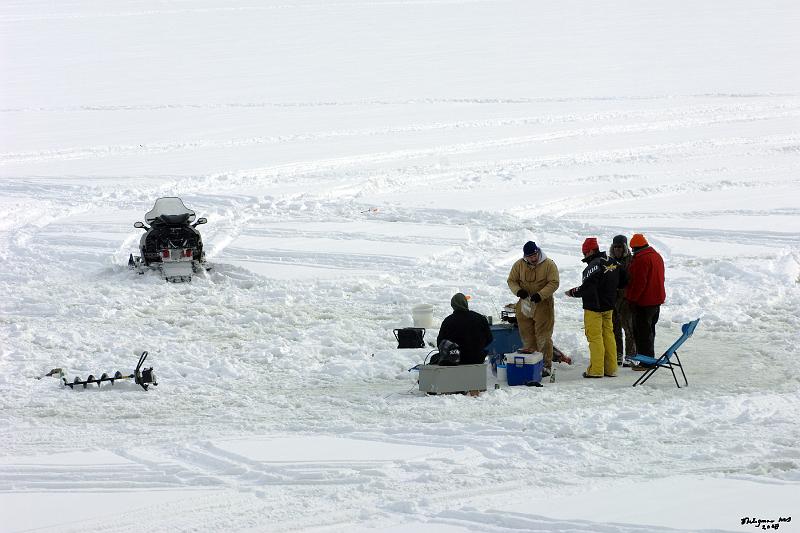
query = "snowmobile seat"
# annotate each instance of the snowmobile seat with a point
(668, 359)
(173, 220)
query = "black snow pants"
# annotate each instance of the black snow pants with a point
(644, 327)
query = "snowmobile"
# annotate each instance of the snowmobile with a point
(171, 244)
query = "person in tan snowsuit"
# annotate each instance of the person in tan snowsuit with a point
(534, 279)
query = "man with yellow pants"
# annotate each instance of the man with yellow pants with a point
(534, 279)
(600, 281)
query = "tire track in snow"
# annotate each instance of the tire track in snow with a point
(575, 205)
(746, 97)
(432, 176)
(498, 520)
(97, 152)
(310, 6)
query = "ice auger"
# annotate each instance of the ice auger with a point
(142, 377)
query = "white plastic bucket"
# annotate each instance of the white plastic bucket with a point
(422, 315)
(502, 374)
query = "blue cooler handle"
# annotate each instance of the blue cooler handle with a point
(517, 363)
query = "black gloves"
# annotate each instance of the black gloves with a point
(535, 298)
(571, 292)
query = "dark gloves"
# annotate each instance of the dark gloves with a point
(571, 292)
(535, 298)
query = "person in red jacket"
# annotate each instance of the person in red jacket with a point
(645, 293)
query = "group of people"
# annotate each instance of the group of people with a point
(622, 292)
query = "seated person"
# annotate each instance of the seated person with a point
(468, 329)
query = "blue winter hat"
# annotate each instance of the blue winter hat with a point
(530, 248)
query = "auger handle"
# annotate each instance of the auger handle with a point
(141, 361)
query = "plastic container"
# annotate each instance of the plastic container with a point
(422, 315)
(437, 379)
(519, 373)
(502, 374)
(506, 339)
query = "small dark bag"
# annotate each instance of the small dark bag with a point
(449, 354)
(410, 337)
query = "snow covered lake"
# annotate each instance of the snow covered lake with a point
(354, 159)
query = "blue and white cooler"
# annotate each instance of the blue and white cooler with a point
(522, 368)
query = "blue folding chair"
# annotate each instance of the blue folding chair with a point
(666, 360)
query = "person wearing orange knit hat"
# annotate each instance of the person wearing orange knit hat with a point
(645, 293)
(638, 241)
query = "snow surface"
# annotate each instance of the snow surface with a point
(356, 158)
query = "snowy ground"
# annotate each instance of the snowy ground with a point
(355, 158)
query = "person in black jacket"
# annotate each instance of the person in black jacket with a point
(598, 289)
(468, 329)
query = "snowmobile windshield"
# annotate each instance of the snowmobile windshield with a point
(169, 210)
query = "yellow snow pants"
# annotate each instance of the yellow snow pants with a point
(599, 329)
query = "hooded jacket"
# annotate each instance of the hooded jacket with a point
(468, 329)
(600, 281)
(646, 287)
(541, 278)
